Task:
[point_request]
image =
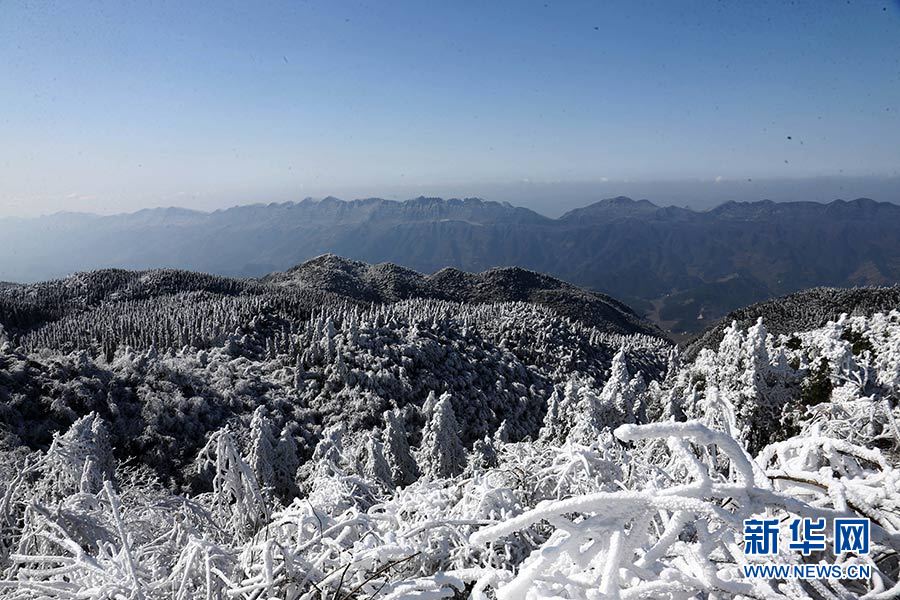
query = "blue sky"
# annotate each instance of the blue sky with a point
(114, 106)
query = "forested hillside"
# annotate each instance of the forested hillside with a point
(324, 433)
(809, 309)
(388, 282)
(165, 357)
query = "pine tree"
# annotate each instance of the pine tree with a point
(555, 426)
(441, 452)
(637, 390)
(483, 456)
(404, 469)
(617, 392)
(613, 406)
(428, 406)
(373, 464)
(262, 454)
(590, 415)
(287, 462)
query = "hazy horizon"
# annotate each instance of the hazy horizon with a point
(111, 108)
(552, 199)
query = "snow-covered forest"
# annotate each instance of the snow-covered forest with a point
(224, 440)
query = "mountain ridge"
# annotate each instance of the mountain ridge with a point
(388, 282)
(680, 266)
(455, 201)
(26, 306)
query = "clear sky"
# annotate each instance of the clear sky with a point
(114, 106)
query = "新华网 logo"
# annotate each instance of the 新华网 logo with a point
(850, 536)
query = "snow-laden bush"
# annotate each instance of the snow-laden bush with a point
(683, 539)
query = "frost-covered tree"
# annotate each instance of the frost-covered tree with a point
(429, 405)
(752, 385)
(287, 461)
(238, 503)
(402, 464)
(262, 455)
(483, 456)
(619, 392)
(79, 460)
(441, 453)
(554, 426)
(374, 466)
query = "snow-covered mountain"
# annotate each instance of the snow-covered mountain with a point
(808, 309)
(350, 341)
(684, 268)
(388, 282)
(342, 430)
(24, 308)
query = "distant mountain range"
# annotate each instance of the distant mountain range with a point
(682, 268)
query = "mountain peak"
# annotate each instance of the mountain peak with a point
(624, 201)
(618, 207)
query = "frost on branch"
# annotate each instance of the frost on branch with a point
(683, 539)
(237, 502)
